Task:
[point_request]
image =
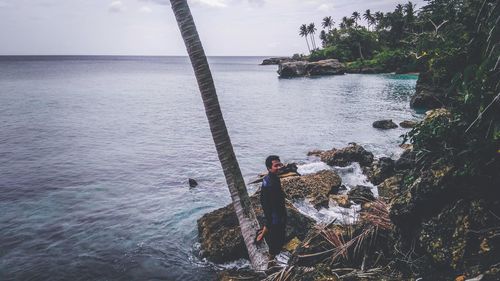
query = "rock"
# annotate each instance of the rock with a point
(192, 182)
(380, 170)
(276, 60)
(447, 237)
(360, 194)
(345, 156)
(390, 186)
(303, 68)
(314, 187)
(220, 234)
(384, 124)
(342, 200)
(427, 95)
(408, 124)
(315, 152)
(406, 160)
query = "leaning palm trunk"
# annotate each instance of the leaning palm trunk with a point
(236, 184)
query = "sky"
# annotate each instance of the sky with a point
(148, 27)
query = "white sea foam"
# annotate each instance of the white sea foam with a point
(332, 213)
(352, 175)
(313, 167)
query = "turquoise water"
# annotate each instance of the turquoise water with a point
(96, 153)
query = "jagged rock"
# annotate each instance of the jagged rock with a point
(390, 186)
(451, 238)
(220, 234)
(345, 156)
(384, 124)
(406, 160)
(408, 124)
(380, 170)
(192, 182)
(315, 152)
(303, 68)
(360, 194)
(314, 187)
(277, 60)
(427, 95)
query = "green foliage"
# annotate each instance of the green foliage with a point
(468, 65)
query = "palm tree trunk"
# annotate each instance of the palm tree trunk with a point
(313, 42)
(239, 195)
(307, 41)
(360, 53)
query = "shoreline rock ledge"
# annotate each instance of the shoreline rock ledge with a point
(304, 68)
(276, 60)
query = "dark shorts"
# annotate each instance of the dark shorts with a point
(276, 238)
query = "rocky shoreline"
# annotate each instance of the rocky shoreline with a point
(388, 221)
(290, 67)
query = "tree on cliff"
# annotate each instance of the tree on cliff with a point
(370, 20)
(328, 23)
(239, 195)
(311, 29)
(355, 16)
(303, 32)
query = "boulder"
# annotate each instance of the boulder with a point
(360, 194)
(220, 234)
(192, 182)
(408, 124)
(345, 156)
(380, 170)
(452, 240)
(384, 124)
(314, 187)
(315, 152)
(276, 60)
(406, 160)
(390, 186)
(427, 94)
(303, 68)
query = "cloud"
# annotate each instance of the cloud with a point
(212, 3)
(325, 8)
(145, 9)
(116, 7)
(3, 4)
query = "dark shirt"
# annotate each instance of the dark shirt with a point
(272, 199)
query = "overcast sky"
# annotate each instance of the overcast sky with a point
(148, 27)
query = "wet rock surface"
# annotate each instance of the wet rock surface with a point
(427, 94)
(380, 170)
(361, 194)
(406, 160)
(408, 124)
(390, 186)
(304, 68)
(384, 124)
(345, 156)
(314, 187)
(220, 234)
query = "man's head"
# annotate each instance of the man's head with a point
(273, 163)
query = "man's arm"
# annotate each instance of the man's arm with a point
(266, 202)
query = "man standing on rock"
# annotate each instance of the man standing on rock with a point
(272, 199)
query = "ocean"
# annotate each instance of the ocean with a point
(96, 152)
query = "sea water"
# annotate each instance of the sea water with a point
(96, 152)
